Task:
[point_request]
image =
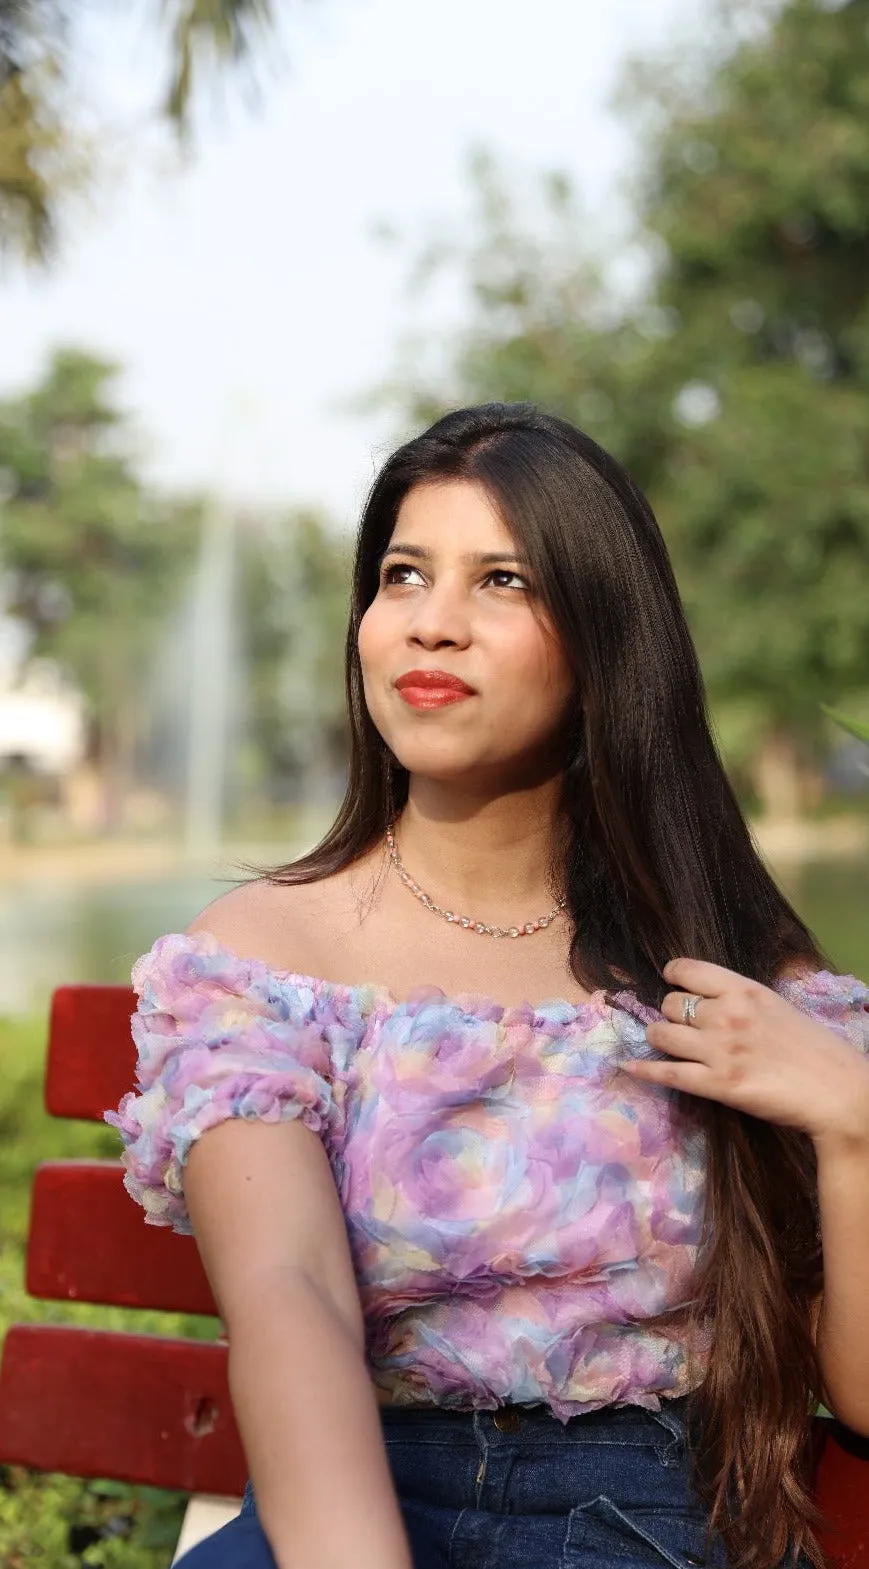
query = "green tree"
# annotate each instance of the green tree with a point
(737, 388)
(96, 571)
(89, 560)
(42, 157)
(294, 589)
(541, 323)
(757, 192)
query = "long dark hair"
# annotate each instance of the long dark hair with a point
(657, 861)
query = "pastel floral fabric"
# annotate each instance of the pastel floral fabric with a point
(518, 1209)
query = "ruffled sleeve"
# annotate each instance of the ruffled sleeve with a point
(217, 1037)
(839, 1001)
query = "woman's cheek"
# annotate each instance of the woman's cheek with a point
(365, 639)
(372, 655)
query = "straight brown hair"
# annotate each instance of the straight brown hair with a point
(657, 861)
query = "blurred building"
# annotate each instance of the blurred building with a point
(42, 721)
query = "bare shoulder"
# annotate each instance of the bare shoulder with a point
(250, 905)
(796, 969)
(290, 926)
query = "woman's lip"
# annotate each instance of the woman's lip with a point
(433, 680)
(432, 696)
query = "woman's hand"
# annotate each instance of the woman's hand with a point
(750, 1049)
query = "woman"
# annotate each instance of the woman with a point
(563, 1256)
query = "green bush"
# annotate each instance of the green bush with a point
(59, 1522)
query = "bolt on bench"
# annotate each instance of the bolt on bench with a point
(153, 1410)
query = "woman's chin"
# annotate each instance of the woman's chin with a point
(437, 769)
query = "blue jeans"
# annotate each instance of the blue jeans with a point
(517, 1489)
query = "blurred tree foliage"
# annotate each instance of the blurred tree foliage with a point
(758, 193)
(736, 389)
(95, 569)
(294, 588)
(89, 559)
(43, 154)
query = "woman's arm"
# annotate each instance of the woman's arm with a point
(750, 1048)
(271, 1234)
(842, 1340)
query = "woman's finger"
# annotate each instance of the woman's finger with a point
(701, 977)
(692, 1078)
(673, 1008)
(679, 1040)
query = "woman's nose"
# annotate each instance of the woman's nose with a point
(440, 618)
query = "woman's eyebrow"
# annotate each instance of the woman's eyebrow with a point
(486, 558)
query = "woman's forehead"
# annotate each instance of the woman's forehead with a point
(451, 515)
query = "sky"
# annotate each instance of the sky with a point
(244, 291)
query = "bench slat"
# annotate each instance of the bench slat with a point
(91, 1057)
(136, 1408)
(88, 1243)
(841, 1492)
(157, 1413)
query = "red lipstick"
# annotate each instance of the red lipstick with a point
(432, 688)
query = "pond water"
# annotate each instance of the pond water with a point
(54, 932)
(57, 932)
(832, 897)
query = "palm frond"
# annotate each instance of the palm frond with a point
(42, 156)
(25, 202)
(854, 726)
(206, 31)
(28, 30)
(32, 137)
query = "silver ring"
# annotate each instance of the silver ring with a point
(689, 1009)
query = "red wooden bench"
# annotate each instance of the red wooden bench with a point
(155, 1410)
(146, 1409)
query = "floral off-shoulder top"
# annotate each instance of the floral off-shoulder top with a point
(517, 1208)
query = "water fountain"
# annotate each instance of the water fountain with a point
(212, 667)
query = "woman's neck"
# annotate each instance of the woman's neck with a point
(494, 854)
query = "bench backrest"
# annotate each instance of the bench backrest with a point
(141, 1408)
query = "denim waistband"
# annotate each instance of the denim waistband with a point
(513, 1417)
(512, 1420)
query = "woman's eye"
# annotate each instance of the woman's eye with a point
(397, 573)
(401, 574)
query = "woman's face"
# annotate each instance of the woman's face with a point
(455, 600)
